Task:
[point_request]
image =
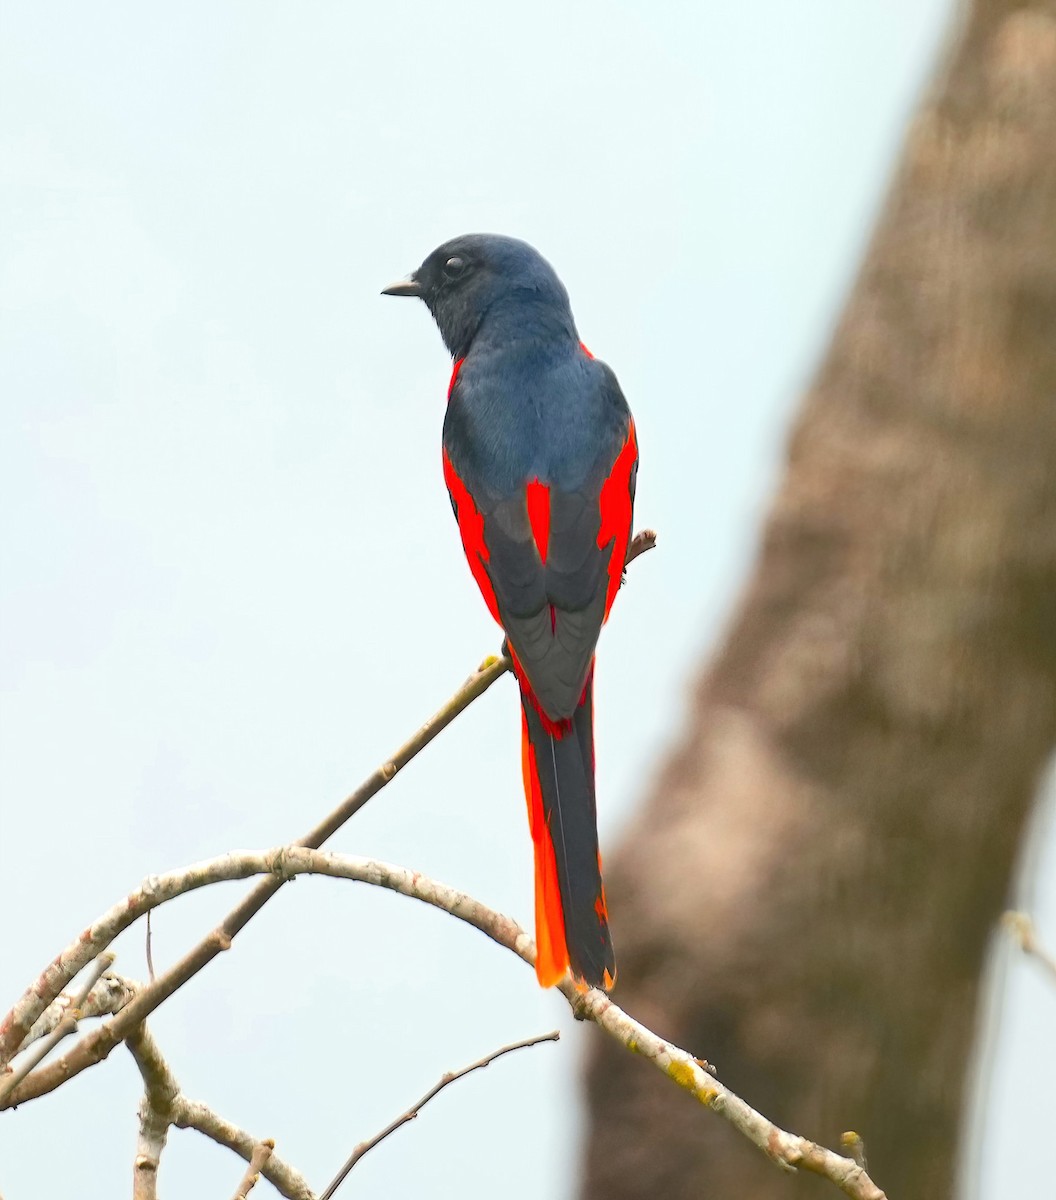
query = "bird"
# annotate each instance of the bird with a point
(540, 459)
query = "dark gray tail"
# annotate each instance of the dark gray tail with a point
(564, 829)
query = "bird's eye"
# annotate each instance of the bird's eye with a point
(454, 267)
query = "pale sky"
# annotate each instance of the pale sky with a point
(231, 582)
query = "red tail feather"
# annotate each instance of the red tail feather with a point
(551, 959)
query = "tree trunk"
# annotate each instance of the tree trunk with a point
(807, 896)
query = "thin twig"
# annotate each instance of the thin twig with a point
(109, 996)
(645, 540)
(786, 1149)
(166, 1105)
(97, 1045)
(855, 1147)
(288, 1182)
(150, 955)
(62, 1030)
(261, 1153)
(57, 974)
(415, 1109)
(1021, 927)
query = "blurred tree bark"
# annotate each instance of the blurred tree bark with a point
(807, 896)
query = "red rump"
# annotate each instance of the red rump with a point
(615, 505)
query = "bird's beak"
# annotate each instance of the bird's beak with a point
(406, 287)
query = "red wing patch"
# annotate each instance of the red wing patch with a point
(471, 526)
(537, 496)
(615, 505)
(583, 347)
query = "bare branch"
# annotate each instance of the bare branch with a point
(155, 1112)
(1021, 927)
(784, 1148)
(150, 950)
(855, 1147)
(261, 1153)
(640, 543)
(56, 975)
(190, 1114)
(415, 1108)
(165, 1105)
(107, 997)
(64, 1027)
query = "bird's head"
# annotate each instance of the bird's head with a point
(484, 280)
